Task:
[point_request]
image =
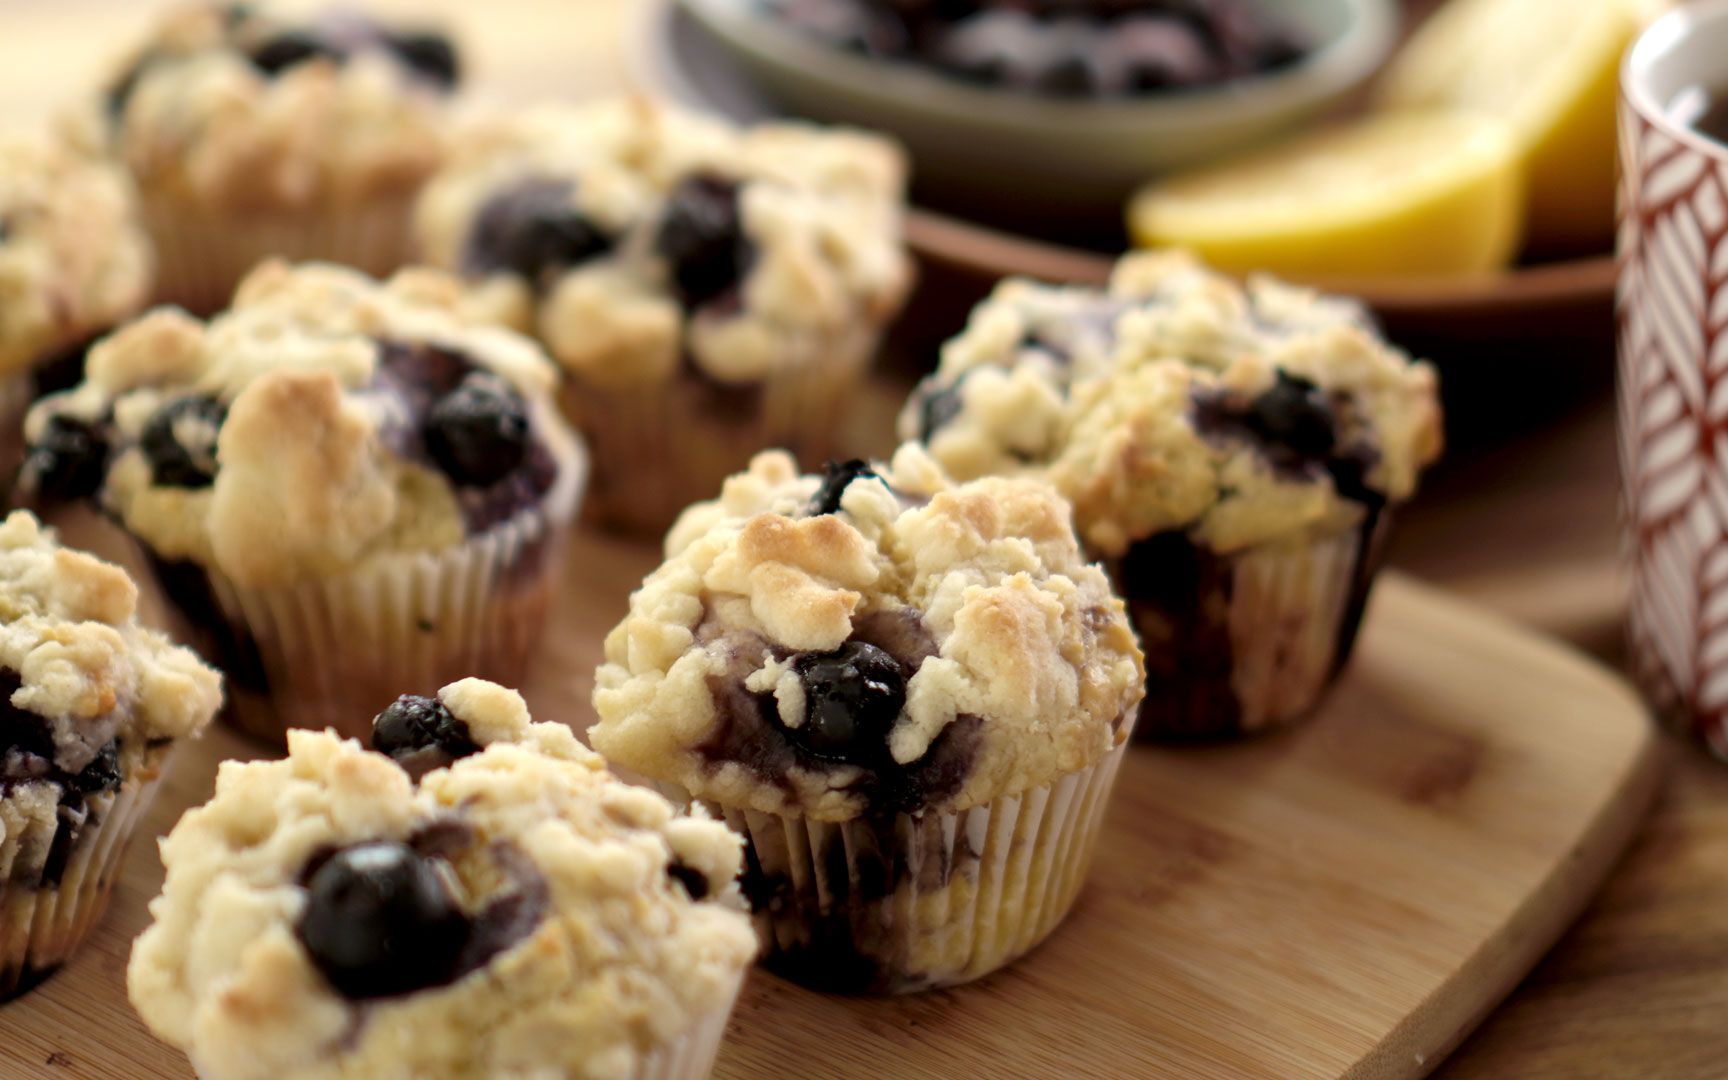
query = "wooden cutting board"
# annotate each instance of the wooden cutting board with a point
(1344, 900)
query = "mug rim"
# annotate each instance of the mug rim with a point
(1646, 50)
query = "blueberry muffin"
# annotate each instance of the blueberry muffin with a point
(252, 134)
(516, 912)
(709, 291)
(911, 697)
(73, 263)
(1233, 457)
(94, 705)
(349, 487)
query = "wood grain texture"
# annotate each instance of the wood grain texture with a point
(1342, 900)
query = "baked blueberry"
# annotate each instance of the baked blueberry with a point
(702, 237)
(535, 230)
(1294, 414)
(937, 407)
(695, 882)
(414, 725)
(837, 476)
(103, 772)
(428, 54)
(180, 442)
(67, 462)
(852, 697)
(380, 920)
(289, 48)
(478, 433)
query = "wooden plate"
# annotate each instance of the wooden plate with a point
(1343, 900)
(1569, 298)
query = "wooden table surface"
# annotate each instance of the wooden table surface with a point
(1522, 524)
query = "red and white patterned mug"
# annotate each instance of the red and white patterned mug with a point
(1672, 319)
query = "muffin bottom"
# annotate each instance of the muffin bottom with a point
(333, 653)
(57, 876)
(201, 257)
(908, 902)
(658, 447)
(1247, 641)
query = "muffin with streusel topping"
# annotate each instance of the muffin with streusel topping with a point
(347, 485)
(1234, 457)
(253, 134)
(516, 911)
(709, 290)
(73, 263)
(94, 706)
(911, 696)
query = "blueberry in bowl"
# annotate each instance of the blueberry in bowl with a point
(1081, 102)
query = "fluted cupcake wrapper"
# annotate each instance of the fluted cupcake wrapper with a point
(1247, 640)
(691, 1056)
(332, 653)
(202, 256)
(660, 446)
(43, 921)
(913, 902)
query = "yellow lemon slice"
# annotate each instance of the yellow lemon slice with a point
(1548, 67)
(1406, 193)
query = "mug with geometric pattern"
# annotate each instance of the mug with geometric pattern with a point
(1671, 316)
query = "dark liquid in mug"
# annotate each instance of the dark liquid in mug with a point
(1705, 110)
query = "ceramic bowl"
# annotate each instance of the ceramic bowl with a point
(1004, 153)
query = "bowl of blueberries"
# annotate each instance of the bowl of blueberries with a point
(1056, 108)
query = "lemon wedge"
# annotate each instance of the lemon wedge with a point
(1549, 68)
(1404, 193)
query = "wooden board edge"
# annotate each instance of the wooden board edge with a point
(1423, 1039)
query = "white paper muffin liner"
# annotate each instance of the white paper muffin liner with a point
(913, 902)
(333, 652)
(201, 256)
(691, 1056)
(40, 925)
(660, 446)
(1272, 628)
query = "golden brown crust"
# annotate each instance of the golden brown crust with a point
(311, 478)
(203, 123)
(1096, 393)
(1022, 635)
(69, 632)
(623, 961)
(821, 208)
(73, 260)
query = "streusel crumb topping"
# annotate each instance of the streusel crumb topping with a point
(246, 111)
(73, 260)
(78, 663)
(1179, 400)
(324, 420)
(584, 944)
(630, 235)
(876, 639)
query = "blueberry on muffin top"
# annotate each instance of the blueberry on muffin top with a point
(89, 695)
(517, 911)
(324, 420)
(634, 237)
(247, 109)
(1178, 400)
(875, 640)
